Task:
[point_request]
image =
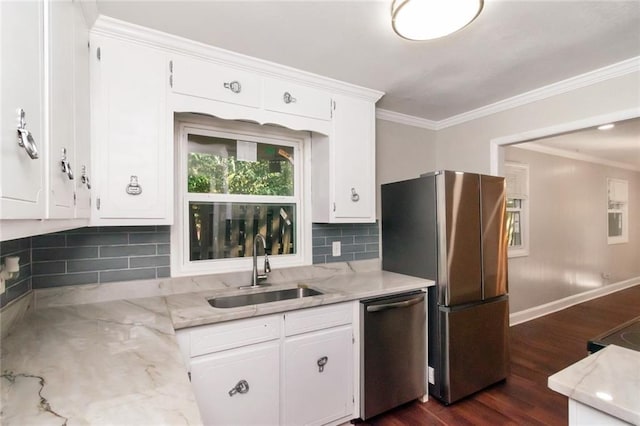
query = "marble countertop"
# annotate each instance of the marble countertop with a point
(608, 380)
(118, 361)
(192, 309)
(105, 363)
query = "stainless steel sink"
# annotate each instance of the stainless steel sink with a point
(258, 298)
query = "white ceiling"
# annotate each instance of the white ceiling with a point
(619, 145)
(513, 47)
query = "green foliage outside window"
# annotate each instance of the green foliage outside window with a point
(219, 175)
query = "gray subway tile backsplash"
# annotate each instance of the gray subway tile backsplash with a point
(126, 253)
(358, 241)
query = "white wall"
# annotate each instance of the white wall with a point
(467, 146)
(568, 249)
(402, 152)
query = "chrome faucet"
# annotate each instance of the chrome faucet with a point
(255, 278)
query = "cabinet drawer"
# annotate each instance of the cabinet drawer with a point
(281, 96)
(317, 318)
(217, 82)
(219, 337)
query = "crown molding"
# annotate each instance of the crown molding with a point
(534, 146)
(409, 120)
(111, 27)
(583, 80)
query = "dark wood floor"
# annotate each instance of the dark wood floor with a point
(539, 348)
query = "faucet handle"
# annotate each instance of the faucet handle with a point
(267, 265)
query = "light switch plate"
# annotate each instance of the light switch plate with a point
(336, 248)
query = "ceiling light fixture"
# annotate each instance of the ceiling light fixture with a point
(606, 126)
(429, 19)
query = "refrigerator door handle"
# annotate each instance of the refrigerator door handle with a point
(396, 305)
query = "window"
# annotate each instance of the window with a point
(237, 180)
(617, 211)
(517, 179)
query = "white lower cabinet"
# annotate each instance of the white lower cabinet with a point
(238, 386)
(295, 368)
(318, 377)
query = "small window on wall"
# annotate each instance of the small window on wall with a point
(517, 178)
(617, 211)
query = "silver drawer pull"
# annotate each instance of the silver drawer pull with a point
(234, 86)
(65, 166)
(287, 98)
(321, 363)
(84, 178)
(241, 387)
(25, 139)
(355, 197)
(134, 187)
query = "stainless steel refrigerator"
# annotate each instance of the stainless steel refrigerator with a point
(450, 227)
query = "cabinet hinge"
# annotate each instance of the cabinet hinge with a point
(332, 106)
(171, 74)
(334, 207)
(189, 374)
(98, 203)
(75, 198)
(98, 53)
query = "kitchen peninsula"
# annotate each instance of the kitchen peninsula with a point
(118, 361)
(603, 388)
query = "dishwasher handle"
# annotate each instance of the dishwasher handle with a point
(395, 305)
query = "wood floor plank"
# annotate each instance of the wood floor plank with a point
(538, 348)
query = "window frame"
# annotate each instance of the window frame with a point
(624, 211)
(186, 124)
(523, 249)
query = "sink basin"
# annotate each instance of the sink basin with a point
(258, 298)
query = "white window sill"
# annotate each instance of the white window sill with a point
(517, 252)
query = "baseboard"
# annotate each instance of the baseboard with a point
(558, 305)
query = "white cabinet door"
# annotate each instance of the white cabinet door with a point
(254, 370)
(318, 377)
(81, 114)
(289, 98)
(62, 156)
(22, 86)
(353, 159)
(131, 142)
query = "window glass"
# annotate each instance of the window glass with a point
(617, 211)
(218, 165)
(226, 230)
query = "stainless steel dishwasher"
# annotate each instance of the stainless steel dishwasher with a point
(393, 352)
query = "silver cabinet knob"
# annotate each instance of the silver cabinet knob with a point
(234, 86)
(241, 387)
(25, 138)
(287, 98)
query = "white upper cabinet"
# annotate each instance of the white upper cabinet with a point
(62, 152)
(131, 139)
(55, 105)
(22, 178)
(81, 114)
(343, 165)
(143, 78)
